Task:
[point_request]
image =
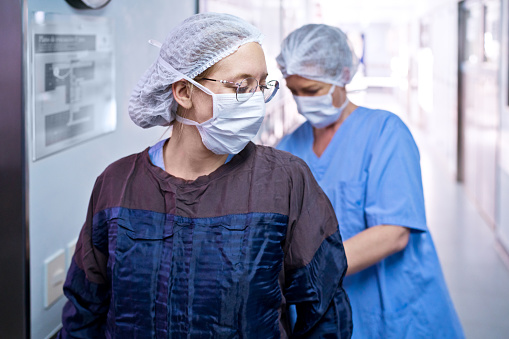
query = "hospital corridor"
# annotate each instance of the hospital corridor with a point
(179, 169)
(474, 264)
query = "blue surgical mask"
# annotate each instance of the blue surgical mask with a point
(319, 110)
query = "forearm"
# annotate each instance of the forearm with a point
(374, 244)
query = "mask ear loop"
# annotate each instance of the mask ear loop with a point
(169, 67)
(343, 106)
(180, 75)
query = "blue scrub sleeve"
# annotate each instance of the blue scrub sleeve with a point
(283, 143)
(394, 194)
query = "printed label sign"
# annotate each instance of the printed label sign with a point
(72, 81)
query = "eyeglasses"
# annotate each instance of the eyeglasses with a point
(247, 87)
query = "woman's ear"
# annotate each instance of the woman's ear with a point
(182, 93)
(346, 74)
(338, 96)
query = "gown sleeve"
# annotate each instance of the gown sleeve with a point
(315, 262)
(394, 193)
(87, 287)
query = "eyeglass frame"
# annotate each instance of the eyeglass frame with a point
(262, 87)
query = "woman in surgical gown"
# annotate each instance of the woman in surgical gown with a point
(205, 234)
(367, 163)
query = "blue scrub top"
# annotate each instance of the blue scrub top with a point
(371, 173)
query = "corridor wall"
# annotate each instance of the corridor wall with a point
(437, 64)
(60, 184)
(468, 118)
(503, 149)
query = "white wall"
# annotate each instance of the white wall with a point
(59, 185)
(441, 120)
(503, 149)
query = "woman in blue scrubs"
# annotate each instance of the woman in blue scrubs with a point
(367, 163)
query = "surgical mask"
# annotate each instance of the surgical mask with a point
(233, 123)
(319, 110)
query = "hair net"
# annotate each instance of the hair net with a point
(318, 52)
(196, 44)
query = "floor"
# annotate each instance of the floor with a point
(477, 277)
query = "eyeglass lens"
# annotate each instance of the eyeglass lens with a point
(248, 87)
(270, 90)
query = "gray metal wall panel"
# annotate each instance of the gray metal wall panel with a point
(13, 262)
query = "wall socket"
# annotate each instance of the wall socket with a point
(54, 277)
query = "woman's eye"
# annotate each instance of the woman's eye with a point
(311, 91)
(232, 88)
(243, 89)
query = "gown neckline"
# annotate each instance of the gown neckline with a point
(222, 170)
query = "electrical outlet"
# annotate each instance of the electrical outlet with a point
(54, 277)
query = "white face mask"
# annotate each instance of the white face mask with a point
(319, 110)
(233, 123)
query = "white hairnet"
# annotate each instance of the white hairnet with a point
(318, 52)
(196, 44)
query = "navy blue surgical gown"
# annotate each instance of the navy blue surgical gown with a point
(371, 173)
